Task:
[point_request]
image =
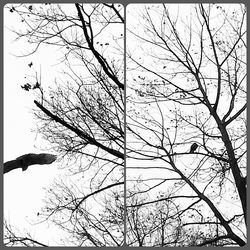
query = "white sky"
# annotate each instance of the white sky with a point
(139, 50)
(23, 191)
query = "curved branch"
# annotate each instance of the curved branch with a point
(99, 58)
(79, 132)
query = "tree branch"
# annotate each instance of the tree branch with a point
(79, 132)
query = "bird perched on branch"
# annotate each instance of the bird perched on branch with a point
(26, 160)
(193, 147)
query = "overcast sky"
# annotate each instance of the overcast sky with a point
(155, 171)
(24, 191)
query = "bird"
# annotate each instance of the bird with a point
(30, 64)
(26, 160)
(193, 147)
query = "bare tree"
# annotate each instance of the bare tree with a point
(11, 238)
(151, 223)
(81, 114)
(159, 223)
(186, 85)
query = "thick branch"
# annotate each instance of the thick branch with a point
(27, 160)
(79, 132)
(99, 58)
(115, 10)
(216, 212)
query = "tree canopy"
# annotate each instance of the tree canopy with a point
(174, 133)
(186, 85)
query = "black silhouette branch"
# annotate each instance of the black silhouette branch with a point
(96, 192)
(79, 132)
(211, 241)
(99, 57)
(27, 160)
(112, 6)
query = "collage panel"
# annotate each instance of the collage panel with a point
(63, 125)
(124, 125)
(186, 125)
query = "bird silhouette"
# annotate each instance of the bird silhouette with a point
(193, 147)
(30, 64)
(26, 160)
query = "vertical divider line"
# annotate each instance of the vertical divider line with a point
(125, 172)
